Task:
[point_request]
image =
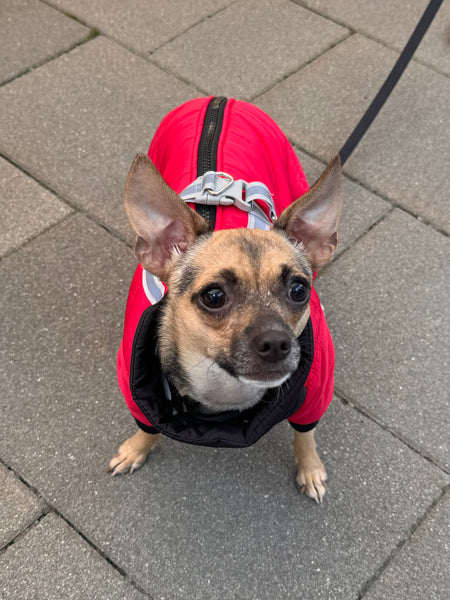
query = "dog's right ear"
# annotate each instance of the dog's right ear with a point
(163, 223)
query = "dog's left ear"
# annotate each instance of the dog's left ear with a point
(313, 219)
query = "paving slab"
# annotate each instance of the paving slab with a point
(32, 32)
(393, 23)
(405, 154)
(360, 209)
(421, 568)
(52, 561)
(387, 307)
(78, 139)
(142, 25)
(26, 207)
(249, 57)
(65, 292)
(19, 506)
(227, 522)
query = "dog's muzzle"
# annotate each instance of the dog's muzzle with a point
(267, 354)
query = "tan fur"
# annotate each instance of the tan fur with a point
(192, 329)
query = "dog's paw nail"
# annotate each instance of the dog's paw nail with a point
(320, 493)
(135, 466)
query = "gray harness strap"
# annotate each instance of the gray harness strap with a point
(217, 188)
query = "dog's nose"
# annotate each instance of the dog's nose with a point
(272, 345)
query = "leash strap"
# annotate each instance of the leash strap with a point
(215, 188)
(391, 80)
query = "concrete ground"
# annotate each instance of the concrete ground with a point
(84, 84)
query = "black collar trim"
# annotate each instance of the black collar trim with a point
(179, 418)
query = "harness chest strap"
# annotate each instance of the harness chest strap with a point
(215, 188)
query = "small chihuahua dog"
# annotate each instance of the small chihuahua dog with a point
(237, 318)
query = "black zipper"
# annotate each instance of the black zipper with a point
(207, 150)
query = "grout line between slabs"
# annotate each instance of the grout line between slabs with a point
(369, 584)
(377, 221)
(19, 536)
(144, 55)
(33, 237)
(202, 20)
(150, 60)
(90, 36)
(365, 588)
(94, 32)
(100, 33)
(369, 36)
(330, 48)
(75, 208)
(67, 217)
(375, 192)
(48, 508)
(396, 434)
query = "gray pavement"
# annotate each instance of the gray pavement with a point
(83, 86)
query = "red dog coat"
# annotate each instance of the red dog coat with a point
(253, 148)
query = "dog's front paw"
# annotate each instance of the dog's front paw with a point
(311, 481)
(133, 452)
(311, 474)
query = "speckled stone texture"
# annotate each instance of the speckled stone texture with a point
(387, 308)
(27, 208)
(76, 123)
(53, 561)
(393, 23)
(81, 99)
(405, 154)
(421, 568)
(19, 506)
(361, 209)
(31, 33)
(142, 25)
(238, 508)
(239, 51)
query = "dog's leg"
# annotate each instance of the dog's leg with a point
(311, 474)
(133, 452)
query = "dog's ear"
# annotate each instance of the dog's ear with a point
(313, 219)
(163, 223)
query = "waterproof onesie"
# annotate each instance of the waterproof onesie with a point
(246, 144)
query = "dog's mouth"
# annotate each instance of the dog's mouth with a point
(265, 381)
(250, 370)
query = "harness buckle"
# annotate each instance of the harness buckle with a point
(228, 181)
(221, 189)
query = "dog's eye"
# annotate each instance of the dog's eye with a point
(299, 291)
(213, 297)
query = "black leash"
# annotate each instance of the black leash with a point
(391, 81)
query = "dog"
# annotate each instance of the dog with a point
(224, 334)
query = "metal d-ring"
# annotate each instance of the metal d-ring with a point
(227, 184)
